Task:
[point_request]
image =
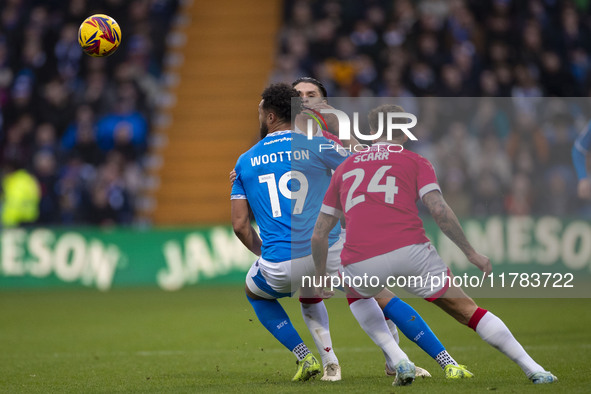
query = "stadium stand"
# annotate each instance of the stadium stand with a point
(221, 70)
(80, 125)
(512, 163)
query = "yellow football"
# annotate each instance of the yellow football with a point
(99, 35)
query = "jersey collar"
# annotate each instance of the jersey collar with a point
(278, 132)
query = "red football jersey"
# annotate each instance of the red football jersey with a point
(377, 191)
(332, 137)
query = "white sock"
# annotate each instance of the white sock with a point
(371, 319)
(444, 359)
(495, 333)
(316, 318)
(301, 351)
(393, 330)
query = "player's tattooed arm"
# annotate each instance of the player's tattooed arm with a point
(448, 222)
(243, 227)
(232, 176)
(324, 224)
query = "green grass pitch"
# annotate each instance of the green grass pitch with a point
(208, 340)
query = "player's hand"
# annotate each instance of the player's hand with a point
(332, 121)
(318, 106)
(321, 291)
(481, 261)
(584, 189)
(232, 176)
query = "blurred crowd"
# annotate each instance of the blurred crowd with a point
(507, 156)
(78, 125)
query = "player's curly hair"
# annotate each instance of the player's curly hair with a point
(277, 98)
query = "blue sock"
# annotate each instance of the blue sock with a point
(413, 326)
(272, 315)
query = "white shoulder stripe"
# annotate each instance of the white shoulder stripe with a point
(331, 211)
(428, 188)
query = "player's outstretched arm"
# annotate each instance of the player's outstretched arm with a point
(448, 222)
(242, 227)
(324, 224)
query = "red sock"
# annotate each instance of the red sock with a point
(314, 300)
(351, 300)
(475, 319)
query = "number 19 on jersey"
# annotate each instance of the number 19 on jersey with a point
(281, 187)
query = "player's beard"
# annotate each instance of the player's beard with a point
(264, 130)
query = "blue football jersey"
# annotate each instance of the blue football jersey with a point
(284, 178)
